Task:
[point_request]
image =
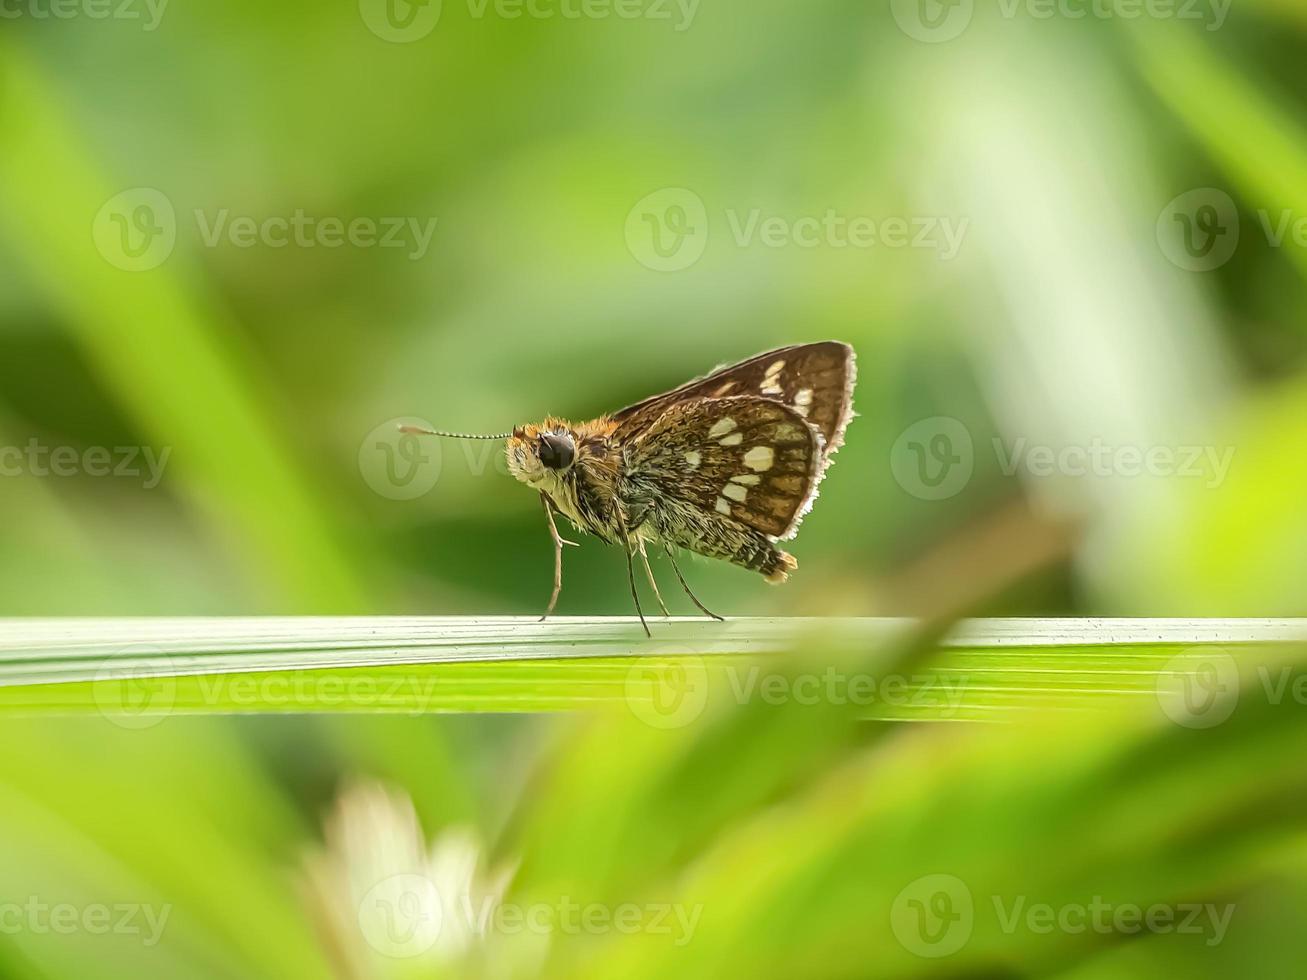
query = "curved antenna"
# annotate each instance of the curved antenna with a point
(418, 431)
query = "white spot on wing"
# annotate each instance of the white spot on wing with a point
(803, 401)
(760, 458)
(734, 439)
(721, 427)
(735, 491)
(748, 479)
(723, 506)
(692, 459)
(771, 379)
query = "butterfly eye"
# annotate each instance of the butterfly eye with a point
(556, 450)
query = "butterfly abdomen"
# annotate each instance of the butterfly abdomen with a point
(685, 526)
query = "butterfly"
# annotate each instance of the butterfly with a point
(724, 466)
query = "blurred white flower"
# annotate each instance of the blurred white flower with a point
(391, 905)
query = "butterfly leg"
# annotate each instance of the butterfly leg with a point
(630, 571)
(653, 582)
(671, 555)
(559, 541)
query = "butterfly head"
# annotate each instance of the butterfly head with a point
(537, 453)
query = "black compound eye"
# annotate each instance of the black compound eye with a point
(556, 451)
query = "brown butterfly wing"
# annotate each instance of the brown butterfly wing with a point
(749, 458)
(814, 380)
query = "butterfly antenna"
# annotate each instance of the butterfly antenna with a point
(419, 431)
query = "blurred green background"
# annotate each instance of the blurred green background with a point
(1068, 242)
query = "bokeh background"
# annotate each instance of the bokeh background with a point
(1067, 241)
